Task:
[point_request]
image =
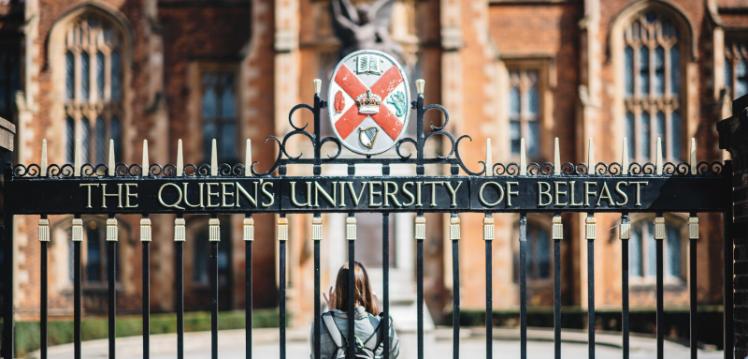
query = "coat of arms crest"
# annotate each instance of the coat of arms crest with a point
(368, 95)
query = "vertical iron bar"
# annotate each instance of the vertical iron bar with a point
(625, 234)
(179, 253)
(558, 233)
(419, 291)
(455, 238)
(282, 284)
(488, 236)
(214, 299)
(248, 299)
(523, 284)
(727, 295)
(590, 232)
(351, 295)
(77, 299)
(112, 296)
(43, 301)
(659, 236)
(317, 335)
(8, 320)
(146, 299)
(386, 283)
(693, 235)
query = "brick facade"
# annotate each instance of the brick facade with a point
(464, 49)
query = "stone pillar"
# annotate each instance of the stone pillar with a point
(7, 135)
(733, 136)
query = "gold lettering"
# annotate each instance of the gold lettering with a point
(605, 193)
(572, 186)
(131, 194)
(482, 196)
(105, 194)
(179, 198)
(588, 190)
(356, 199)
(241, 191)
(186, 192)
(213, 193)
(409, 194)
(227, 193)
(559, 192)
(331, 199)
(293, 195)
(638, 185)
(390, 193)
(267, 194)
(433, 192)
(453, 191)
(544, 191)
(419, 186)
(511, 191)
(88, 187)
(374, 192)
(622, 193)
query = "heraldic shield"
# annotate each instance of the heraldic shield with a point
(368, 101)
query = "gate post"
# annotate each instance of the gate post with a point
(7, 134)
(733, 136)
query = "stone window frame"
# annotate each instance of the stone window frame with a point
(688, 57)
(546, 69)
(736, 52)
(672, 220)
(69, 113)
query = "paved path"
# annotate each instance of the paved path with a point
(438, 344)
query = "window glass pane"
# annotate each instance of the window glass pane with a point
(644, 138)
(116, 76)
(85, 138)
(227, 141)
(101, 142)
(533, 138)
(93, 252)
(741, 81)
(117, 137)
(673, 251)
(651, 250)
(209, 103)
(644, 70)
(70, 139)
(629, 70)
(631, 133)
(228, 107)
(659, 80)
(514, 101)
(533, 105)
(635, 252)
(514, 135)
(543, 253)
(69, 75)
(676, 137)
(100, 74)
(85, 79)
(675, 70)
(661, 131)
(200, 257)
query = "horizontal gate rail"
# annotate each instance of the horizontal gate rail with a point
(496, 188)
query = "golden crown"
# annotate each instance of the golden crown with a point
(368, 103)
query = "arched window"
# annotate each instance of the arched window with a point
(93, 87)
(643, 254)
(736, 69)
(524, 110)
(219, 114)
(538, 252)
(652, 86)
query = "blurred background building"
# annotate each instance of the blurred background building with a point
(80, 72)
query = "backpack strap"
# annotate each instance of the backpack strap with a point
(333, 329)
(376, 323)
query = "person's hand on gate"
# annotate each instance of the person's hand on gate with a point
(329, 297)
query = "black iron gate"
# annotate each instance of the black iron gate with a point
(219, 188)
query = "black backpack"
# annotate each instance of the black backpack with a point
(365, 349)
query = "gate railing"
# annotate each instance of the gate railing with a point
(218, 188)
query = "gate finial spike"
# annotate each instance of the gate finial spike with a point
(43, 159)
(248, 157)
(213, 158)
(590, 157)
(658, 156)
(692, 156)
(180, 159)
(489, 157)
(77, 159)
(556, 157)
(625, 157)
(146, 164)
(110, 162)
(317, 86)
(522, 157)
(420, 86)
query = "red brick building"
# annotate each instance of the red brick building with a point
(164, 70)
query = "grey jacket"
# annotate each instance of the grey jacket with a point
(363, 329)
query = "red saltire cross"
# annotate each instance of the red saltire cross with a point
(351, 119)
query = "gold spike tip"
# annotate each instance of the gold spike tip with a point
(180, 159)
(43, 160)
(522, 157)
(692, 156)
(248, 157)
(658, 156)
(317, 86)
(146, 163)
(111, 164)
(590, 157)
(213, 158)
(489, 157)
(625, 156)
(420, 86)
(556, 157)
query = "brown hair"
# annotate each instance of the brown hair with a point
(362, 295)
